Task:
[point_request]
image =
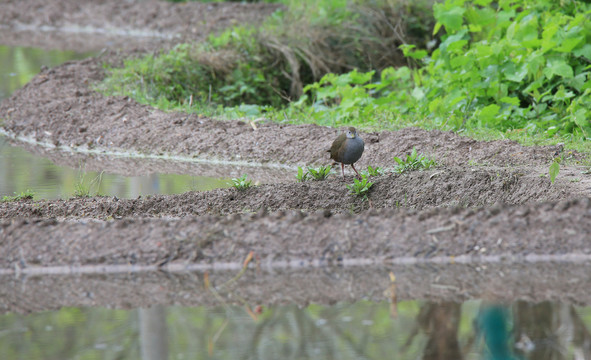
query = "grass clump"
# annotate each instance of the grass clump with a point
(360, 187)
(23, 195)
(320, 173)
(371, 171)
(241, 183)
(302, 175)
(414, 161)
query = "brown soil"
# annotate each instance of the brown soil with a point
(484, 199)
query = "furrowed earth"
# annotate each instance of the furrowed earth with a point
(488, 202)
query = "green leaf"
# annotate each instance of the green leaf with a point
(558, 67)
(580, 118)
(450, 18)
(554, 169)
(585, 51)
(569, 44)
(488, 113)
(510, 100)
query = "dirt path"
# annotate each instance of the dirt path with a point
(488, 199)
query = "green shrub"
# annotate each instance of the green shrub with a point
(507, 65)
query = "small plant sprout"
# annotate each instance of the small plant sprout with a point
(241, 183)
(23, 195)
(371, 171)
(360, 187)
(320, 173)
(302, 175)
(554, 169)
(414, 161)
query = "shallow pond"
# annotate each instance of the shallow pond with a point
(362, 330)
(21, 170)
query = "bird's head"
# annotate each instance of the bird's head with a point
(351, 133)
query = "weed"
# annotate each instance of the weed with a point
(85, 190)
(241, 183)
(414, 161)
(371, 171)
(320, 173)
(360, 187)
(554, 169)
(301, 176)
(23, 195)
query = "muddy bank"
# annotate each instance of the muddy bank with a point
(419, 190)
(558, 228)
(89, 25)
(501, 282)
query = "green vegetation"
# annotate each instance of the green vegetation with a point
(301, 175)
(554, 169)
(81, 189)
(320, 173)
(414, 161)
(502, 69)
(241, 183)
(23, 195)
(360, 187)
(371, 171)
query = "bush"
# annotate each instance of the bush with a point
(507, 65)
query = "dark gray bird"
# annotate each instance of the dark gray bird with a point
(347, 149)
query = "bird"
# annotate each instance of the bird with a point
(347, 149)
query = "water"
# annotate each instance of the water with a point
(362, 330)
(21, 171)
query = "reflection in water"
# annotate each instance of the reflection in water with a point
(362, 330)
(18, 65)
(19, 171)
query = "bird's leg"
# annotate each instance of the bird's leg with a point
(343, 169)
(356, 171)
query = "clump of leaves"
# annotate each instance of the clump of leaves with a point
(320, 173)
(414, 161)
(371, 171)
(23, 195)
(241, 183)
(360, 187)
(302, 175)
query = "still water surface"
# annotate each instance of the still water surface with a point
(21, 170)
(362, 330)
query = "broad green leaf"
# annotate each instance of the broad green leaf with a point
(510, 100)
(488, 113)
(585, 51)
(580, 118)
(558, 67)
(450, 18)
(569, 44)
